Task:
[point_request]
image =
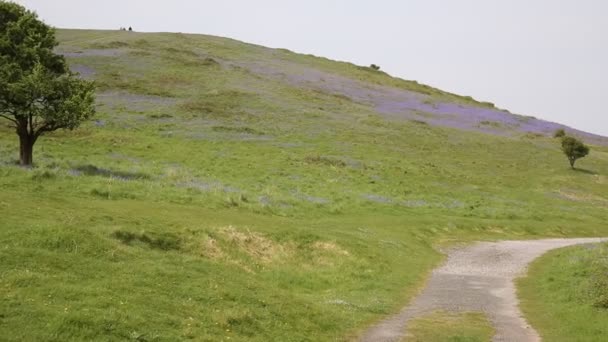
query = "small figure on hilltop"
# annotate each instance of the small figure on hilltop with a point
(574, 149)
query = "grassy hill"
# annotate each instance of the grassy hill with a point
(231, 191)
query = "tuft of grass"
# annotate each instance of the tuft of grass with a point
(488, 123)
(110, 45)
(228, 103)
(245, 130)
(41, 175)
(450, 327)
(420, 122)
(92, 170)
(565, 294)
(161, 116)
(324, 160)
(165, 241)
(208, 61)
(101, 193)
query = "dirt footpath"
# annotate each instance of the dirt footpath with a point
(479, 278)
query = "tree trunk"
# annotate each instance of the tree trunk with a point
(572, 161)
(26, 151)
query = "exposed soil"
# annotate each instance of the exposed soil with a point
(478, 278)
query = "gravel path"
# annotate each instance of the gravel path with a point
(477, 278)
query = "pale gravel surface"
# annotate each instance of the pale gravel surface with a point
(479, 278)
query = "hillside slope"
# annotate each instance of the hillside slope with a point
(231, 190)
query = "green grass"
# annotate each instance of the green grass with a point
(208, 202)
(565, 294)
(450, 327)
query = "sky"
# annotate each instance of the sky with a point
(545, 58)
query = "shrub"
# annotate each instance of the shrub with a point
(560, 133)
(43, 175)
(375, 67)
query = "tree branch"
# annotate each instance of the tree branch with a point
(45, 128)
(8, 118)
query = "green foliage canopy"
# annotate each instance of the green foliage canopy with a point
(38, 93)
(574, 149)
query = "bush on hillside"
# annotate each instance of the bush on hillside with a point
(574, 149)
(560, 133)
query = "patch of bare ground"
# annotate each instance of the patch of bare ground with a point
(252, 251)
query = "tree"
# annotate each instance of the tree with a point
(574, 149)
(375, 67)
(38, 93)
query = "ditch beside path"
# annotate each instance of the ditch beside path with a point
(478, 278)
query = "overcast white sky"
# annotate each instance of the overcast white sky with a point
(547, 58)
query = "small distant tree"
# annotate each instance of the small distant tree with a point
(574, 149)
(375, 67)
(38, 93)
(560, 133)
(130, 28)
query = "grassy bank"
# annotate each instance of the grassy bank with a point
(565, 294)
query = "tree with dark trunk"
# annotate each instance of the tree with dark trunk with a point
(574, 149)
(38, 93)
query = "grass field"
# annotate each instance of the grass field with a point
(565, 295)
(221, 194)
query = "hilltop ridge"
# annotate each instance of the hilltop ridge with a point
(388, 96)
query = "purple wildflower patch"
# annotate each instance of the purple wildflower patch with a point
(397, 103)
